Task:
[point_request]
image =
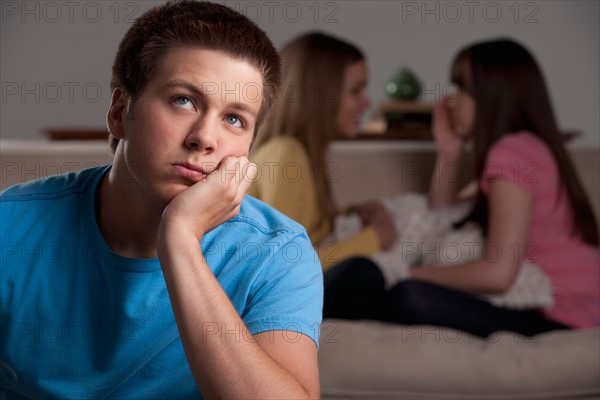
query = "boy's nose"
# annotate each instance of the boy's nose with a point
(202, 137)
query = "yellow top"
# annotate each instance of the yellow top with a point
(285, 181)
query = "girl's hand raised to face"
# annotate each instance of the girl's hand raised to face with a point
(448, 142)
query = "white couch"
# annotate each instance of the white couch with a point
(375, 360)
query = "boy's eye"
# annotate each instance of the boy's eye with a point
(234, 120)
(184, 102)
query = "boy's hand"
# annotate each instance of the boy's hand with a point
(211, 201)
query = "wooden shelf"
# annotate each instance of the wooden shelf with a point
(406, 107)
(383, 126)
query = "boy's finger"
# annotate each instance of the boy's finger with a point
(249, 172)
(230, 169)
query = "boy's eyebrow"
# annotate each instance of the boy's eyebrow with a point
(179, 83)
(244, 108)
(200, 93)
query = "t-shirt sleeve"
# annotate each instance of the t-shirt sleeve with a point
(513, 161)
(287, 295)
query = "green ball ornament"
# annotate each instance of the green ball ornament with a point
(403, 85)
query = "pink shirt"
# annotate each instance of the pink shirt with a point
(572, 265)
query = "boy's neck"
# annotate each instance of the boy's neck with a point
(129, 226)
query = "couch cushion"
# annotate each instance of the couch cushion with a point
(368, 359)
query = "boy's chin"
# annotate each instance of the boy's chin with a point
(168, 196)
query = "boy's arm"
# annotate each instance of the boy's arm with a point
(267, 366)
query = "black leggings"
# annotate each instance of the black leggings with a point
(354, 289)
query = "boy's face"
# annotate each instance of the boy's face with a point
(198, 107)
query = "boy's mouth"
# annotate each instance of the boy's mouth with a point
(190, 171)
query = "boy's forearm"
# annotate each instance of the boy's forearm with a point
(222, 367)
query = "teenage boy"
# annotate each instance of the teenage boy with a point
(155, 277)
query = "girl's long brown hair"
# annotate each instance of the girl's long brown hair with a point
(312, 77)
(510, 95)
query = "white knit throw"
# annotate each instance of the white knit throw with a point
(427, 237)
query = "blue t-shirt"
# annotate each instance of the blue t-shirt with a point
(80, 321)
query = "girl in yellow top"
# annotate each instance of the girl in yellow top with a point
(324, 97)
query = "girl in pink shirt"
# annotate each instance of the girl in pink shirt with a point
(529, 202)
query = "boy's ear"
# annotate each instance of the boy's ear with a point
(117, 113)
